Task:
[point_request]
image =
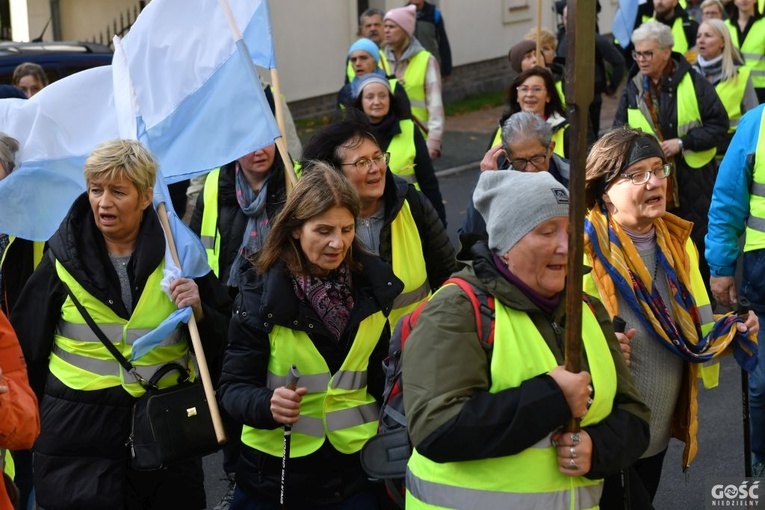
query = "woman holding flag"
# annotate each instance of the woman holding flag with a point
(108, 254)
(645, 269)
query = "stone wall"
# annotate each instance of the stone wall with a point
(466, 81)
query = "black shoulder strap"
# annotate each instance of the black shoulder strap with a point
(101, 336)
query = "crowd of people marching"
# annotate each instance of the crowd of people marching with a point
(317, 276)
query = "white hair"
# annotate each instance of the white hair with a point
(654, 31)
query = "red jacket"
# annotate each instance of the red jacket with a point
(19, 415)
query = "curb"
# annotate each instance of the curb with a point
(458, 169)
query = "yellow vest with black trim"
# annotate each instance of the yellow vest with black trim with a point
(38, 249)
(80, 360)
(753, 49)
(408, 264)
(208, 232)
(688, 117)
(529, 479)
(678, 33)
(731, 94)
(414, 85)
(755, 224)
(337, 406)
(557, 137)
(6, 463)
(402, 153)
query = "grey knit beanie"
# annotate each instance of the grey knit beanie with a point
(514, 203)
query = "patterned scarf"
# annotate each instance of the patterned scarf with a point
(253, 204)
(331, 297)
(618, 268)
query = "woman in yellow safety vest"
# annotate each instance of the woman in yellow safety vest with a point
(721, 64)
(397, 133)
(487, 422)
(645, 269)
(317, 300)
(747, 31)
(108, 254)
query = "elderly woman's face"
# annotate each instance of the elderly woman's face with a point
(533, 95)
(117, 208)
(708, 42)
(636, 207)
(651, 58)
(375, 100)
(539, 259)
(325, 239)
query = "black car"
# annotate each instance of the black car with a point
(58, 59)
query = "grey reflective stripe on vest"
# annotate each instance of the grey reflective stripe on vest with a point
(706, 314)
(753, 56)
(685, 128)
(208, 242)
(410, 178)
(417, 103)
(309, 426)
(756, 223)
(413, 296)
(449, 496)
(349, 380)
(314, 383)
(757, 72)
(108, 367)
(83, 333)
(347, 418)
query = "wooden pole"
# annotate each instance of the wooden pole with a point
(196, 341)
(539, 35)
(289, 174)
(580, 69)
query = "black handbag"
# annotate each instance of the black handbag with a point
(168, 425)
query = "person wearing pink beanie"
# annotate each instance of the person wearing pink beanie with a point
(419, 73)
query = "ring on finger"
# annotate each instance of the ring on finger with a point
(590, 389)
(572, 465)
(575, 438)
(572, 451)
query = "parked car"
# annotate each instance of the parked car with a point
(58, 59)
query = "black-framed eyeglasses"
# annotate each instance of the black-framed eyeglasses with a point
(364, 164)
(642, 55)
(537, 161)
(640, 178)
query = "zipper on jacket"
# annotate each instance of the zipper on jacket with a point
(558, 335)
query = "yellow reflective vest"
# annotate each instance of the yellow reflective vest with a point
(337, 406)
(529, 479)
(408, 264)
(731, 94)
(682, 45)
(688, 117)
(80, 360)
(414, 85)
(753, 49)
(208, 231)
(755, 224)
(403, 152)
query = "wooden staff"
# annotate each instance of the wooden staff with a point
(580, 69)
(289, 174)
(196, 341)
(539, 34)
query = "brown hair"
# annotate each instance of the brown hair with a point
(30, 69)
(607, 157)
(320, 189)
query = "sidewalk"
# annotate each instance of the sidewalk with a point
(467, 136)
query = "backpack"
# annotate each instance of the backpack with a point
(385, 456)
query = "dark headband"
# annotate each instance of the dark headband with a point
(643, 147)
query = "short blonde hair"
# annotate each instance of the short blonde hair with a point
(122, 158)
(545, 37)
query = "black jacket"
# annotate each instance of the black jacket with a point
(436, 246)
(86, 431)
(269, 300)
(423, 166)
(18, 265)
(231, 219)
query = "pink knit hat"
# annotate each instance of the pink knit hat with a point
(405, 17)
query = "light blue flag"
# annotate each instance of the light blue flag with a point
(624, 21)
(189, 97)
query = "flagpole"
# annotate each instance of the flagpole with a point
(290, 177)
(196, 341)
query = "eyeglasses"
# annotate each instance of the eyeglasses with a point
(642, 55)
(530, 90)
(364, 164)
(537, 161)
(640, 178)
